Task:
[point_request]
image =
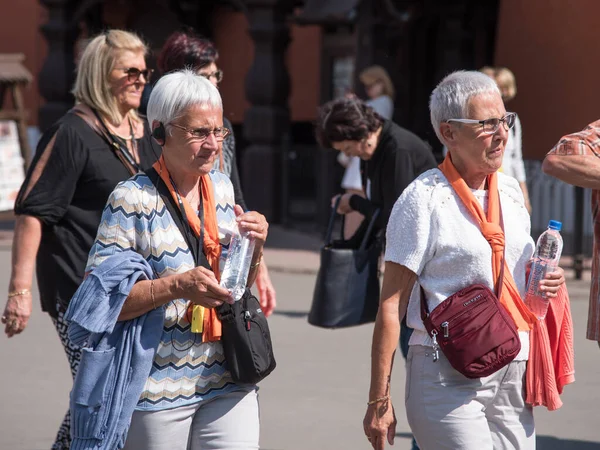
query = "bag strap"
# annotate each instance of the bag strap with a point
(500, 281)
(194, 243)
(367, 236)
(370, 227)
(332, 216)
(94, 121)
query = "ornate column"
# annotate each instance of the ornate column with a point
(57, 75)
(267, 122)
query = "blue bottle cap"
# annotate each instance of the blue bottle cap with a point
(555, 225)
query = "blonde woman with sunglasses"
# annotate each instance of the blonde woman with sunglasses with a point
(78, 162)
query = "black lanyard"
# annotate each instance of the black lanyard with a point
(185, 219)
(177, 212)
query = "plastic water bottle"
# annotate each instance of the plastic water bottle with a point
(545, 260)
(237, 265)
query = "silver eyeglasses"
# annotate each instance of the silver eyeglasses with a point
(490, 126)
(202, 134)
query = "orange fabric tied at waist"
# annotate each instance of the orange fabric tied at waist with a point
(204, 320)
(492, 231)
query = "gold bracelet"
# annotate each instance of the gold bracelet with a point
(18, 293)
(377, 400)
(152, 293)
(257, 263)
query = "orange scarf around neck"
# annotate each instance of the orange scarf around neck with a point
(208, 323)
(492, 231)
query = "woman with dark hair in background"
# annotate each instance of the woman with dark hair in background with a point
(188, 50)
(391, 156)
(380, 90)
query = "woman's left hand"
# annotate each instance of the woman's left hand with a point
(552, 282)
(253, 223)
(344, 205)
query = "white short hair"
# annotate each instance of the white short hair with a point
(177, 91)
(450, 98)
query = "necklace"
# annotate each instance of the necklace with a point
(126, 140)
(194, 196)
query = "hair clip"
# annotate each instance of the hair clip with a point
(360, 113)
(106, 37)
(327, 118)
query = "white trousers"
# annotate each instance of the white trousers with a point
(446, 410)
(229, 421)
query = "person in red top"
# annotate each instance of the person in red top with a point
(575, 159)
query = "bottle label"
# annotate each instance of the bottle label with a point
(537, 274)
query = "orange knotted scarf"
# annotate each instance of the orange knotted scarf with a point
(210, 324)
(492, 231)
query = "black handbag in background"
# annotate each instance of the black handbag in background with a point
(347, 287)
(246, 340)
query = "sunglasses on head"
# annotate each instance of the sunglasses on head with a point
(133, 74)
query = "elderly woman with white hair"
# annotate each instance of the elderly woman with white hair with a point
(179, 217)
(428, 260)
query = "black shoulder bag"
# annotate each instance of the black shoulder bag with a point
(347, 286)
(245, 335)
(246, 340)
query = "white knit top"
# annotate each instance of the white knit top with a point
(432, 233)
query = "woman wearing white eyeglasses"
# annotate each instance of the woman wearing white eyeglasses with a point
(448, 231)
(78, 162)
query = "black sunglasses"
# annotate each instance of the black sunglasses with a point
(133, 74)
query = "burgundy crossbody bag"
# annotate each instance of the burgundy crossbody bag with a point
(473, 329)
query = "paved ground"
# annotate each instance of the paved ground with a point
(316, 397)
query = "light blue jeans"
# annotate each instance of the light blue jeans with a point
(229, 421)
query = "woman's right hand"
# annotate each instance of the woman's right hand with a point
(380, 424)
(16, 314)
(201, 287)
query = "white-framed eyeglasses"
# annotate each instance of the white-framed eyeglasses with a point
(490, 126)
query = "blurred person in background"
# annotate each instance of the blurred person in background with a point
(380, 92)
(391, 157)
(185, 49)
(78, 162)
(513, 164)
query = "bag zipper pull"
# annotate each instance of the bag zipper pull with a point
(446, 328)
(247, 318)
(436, 354)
